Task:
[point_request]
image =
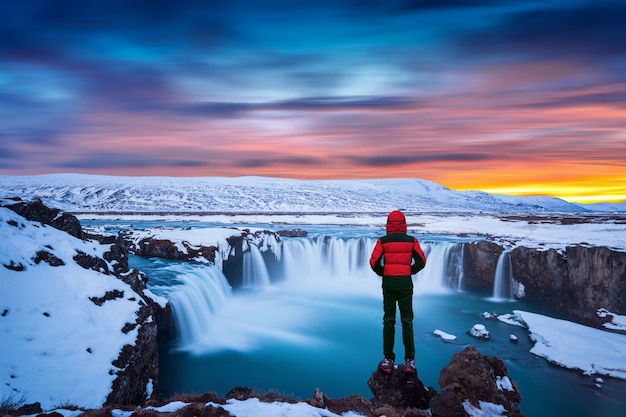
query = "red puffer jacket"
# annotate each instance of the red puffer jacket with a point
(397, 254)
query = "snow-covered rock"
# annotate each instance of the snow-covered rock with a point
(479, 331)
(444, 336)
(477, 385)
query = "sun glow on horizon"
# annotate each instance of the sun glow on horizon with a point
(570, 194)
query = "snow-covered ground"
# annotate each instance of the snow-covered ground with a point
(74, 192)
(593, 351)
(507, 232)
(56, 344)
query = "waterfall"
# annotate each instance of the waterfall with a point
(196, 294)
(328, 261)
(320, 267)
(336, 261)
(502, 288)
(254, 270)
(444, 268)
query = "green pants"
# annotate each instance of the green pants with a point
(398, 291)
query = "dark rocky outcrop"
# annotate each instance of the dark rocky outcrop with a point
(479, 265)
(575, 283)
(399, 390)
(469, 378)
(38, 212)
(474, 378)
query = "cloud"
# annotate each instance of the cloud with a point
(430, 157)
(111, 160)
(270, 161)
(304, 104)
(589, 30)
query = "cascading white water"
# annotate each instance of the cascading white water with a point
(200, 291)
(327, 262)
(254, 270)
(318, 268)
(439, 275)
(337, 260)
(502, 288)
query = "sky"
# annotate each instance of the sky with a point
(518, 97)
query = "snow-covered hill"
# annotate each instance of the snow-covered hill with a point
(60, 332)
(90, 193)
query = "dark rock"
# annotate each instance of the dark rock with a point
(109, 295)
(479, 269)
(574, 284)
(138, 366)
(94, 263)
(48, 258)
(201, 410)
(26, 409)
(240, 393)
(18, 267)
(292, 233)
(36, 211)
(117, 256)
(355, 403)
(473, 377)
(399, 390)
(101, 412)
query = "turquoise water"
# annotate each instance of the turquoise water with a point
(346, 346)
(316, 330)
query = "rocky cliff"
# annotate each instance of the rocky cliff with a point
(135, 367)
(574, 283)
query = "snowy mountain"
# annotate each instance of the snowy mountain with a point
(91, 193)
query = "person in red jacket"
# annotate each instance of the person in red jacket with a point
(396, 257)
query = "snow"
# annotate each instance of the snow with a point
(75, 192)
(485, 409)
(57, 345)
(444, 336)
(479, 330)
(253, 407)
(575, 346)
(617, 321)
(172, 407)
(504, 383)
(511, 319)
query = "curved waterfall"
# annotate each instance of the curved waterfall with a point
(318, 267)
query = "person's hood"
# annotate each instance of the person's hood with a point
(396, 222)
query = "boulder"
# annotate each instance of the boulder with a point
(472, 381)
(399, 390)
